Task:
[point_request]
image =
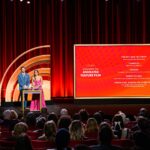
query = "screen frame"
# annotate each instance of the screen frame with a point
(115, 97)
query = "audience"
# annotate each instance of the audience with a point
(62, 139)
(64, 122)
(92, 129)
(20, 129)
(118, 127)
(76, 131)
(84, 115)
(52, 116)
(64, 112)
(66, 132)
(49, 131)
(105, 138)
(40, 122)
(23, 142)
(98, 117)
(141, 140)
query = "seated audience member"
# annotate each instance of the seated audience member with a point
(123, 115)
(141, 140)
(24, 116)
(49, 131)
(64, 112)
(52, 116)
(62, 139)
(76, 116)
(98, 117)
(105, 138)
(143, 124)
(84, 115)
(92, 129)
(118, 127)
(40, 122)
(144, 112)
(76, 131)
(14, 119)
(44, 112)
(31, 119)
(6, 122)
(64, 122)
(20, 129)
(23, 142)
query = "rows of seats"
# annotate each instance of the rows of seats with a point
(125, 142)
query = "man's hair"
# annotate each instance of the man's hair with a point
(22, 67)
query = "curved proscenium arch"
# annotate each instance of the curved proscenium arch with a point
(15, 60)
(29, 63)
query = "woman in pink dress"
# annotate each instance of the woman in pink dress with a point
(37, 82)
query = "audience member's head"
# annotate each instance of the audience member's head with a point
(63, 111)
(40, 121)
(105, 134)
(44, 111)
(141, 140)
(118, 125)
(83, 115)
(62, 139)
(14, 115)
(76, 116)
(31, 119)
(98, 117)
(117, 121)
(143, 112)
(23, 142)
(20, 129)
(91, 125)
(52, 116)
(50, 130)
(76, 130)
(7, 114)
(123, 115)
(143, 123)
(64, 122)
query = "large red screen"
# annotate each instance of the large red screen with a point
(111, 71)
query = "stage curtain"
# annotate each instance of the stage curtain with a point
(63, 23)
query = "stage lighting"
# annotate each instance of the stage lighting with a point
(21, 0)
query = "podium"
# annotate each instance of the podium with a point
(31, 92)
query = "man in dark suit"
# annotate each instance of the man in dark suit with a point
(24, 82)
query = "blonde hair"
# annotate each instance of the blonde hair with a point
(50, 130)
(20, 128)
(76, 130)
(92, 125)
(14, 114)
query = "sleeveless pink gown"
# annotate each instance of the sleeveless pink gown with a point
(35, 103)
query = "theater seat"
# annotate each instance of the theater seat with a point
(33, 135)
(90, 142)
(124, 143)
(7, 145)
(74, 143)
(42, 145)
(5, 134)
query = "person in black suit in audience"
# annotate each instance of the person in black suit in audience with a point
(105, 138)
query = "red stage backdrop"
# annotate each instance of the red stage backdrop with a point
(112, 71)
(63, 23)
